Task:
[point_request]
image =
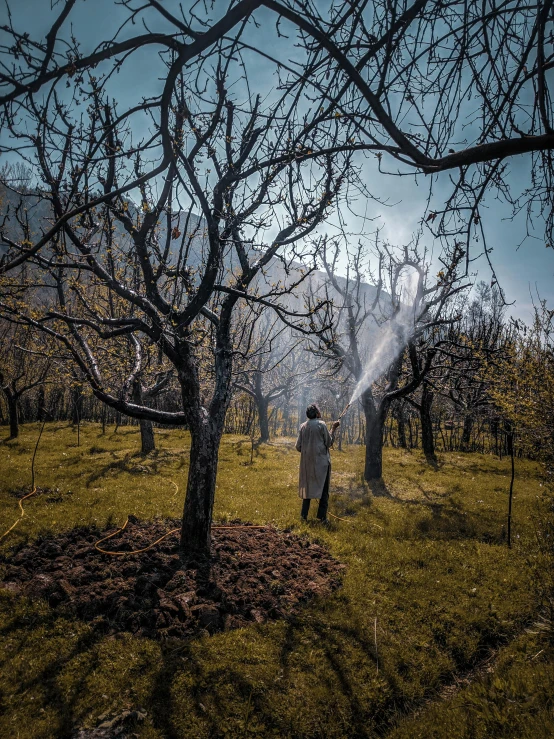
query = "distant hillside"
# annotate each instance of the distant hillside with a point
(37, 212)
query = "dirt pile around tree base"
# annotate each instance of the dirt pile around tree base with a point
(253, 575)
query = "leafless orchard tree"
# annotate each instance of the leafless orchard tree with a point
(482, 337)
(274, 369)
(448, 89)
(24, 365)
(359, 315)
(117, 274)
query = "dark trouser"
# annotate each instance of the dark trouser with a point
(323, 501)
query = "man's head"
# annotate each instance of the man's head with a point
(312, 411)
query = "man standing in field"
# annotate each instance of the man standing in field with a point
(313, 443)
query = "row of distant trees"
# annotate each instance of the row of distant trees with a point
(453, 408)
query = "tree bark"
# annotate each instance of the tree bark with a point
(199, 501)
(13, 412)
(206, 428)
(427, 436)
(375, 418)
(263, 417)
(147, 442)
(466, 433)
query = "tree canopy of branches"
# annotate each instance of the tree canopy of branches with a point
(452, 90)
(521, 385)
(273, 370)
(427, 86)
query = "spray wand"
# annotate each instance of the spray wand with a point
(344, 411)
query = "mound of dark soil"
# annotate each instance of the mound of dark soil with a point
(253, 575)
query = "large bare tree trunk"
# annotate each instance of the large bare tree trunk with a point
(199, 501)
(206, 429)
(147, 442)
(374, 422)
(13, 412)
(401, 422)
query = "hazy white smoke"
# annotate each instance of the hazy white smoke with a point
(394, 334)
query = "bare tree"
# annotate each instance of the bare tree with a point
(353, 339)
(155, 271)
(142, 393)
(262, 174)
(23, 366)
(478, 339)
(273, 369)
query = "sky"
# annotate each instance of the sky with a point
(524, 267)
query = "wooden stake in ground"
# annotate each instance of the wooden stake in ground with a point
(510, 498)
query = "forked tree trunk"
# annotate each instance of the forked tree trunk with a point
(427, 436)
(199, 501)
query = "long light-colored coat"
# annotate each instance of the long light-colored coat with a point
(313, 443)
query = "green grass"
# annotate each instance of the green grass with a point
(430, 586)
(513, 701)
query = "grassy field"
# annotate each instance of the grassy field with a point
(430, 589)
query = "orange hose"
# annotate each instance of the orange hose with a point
(245, 526)
(135, 551)
(20, 502)
(145, 549)
(339, 518)
(346, 520)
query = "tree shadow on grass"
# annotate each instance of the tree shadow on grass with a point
(448, 519)
(129, 464)
(19, 633)
(433, 462)
(121, 432)
(379, 489)
(238, 695)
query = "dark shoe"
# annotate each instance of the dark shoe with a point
(304, 518)
(324, 522)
